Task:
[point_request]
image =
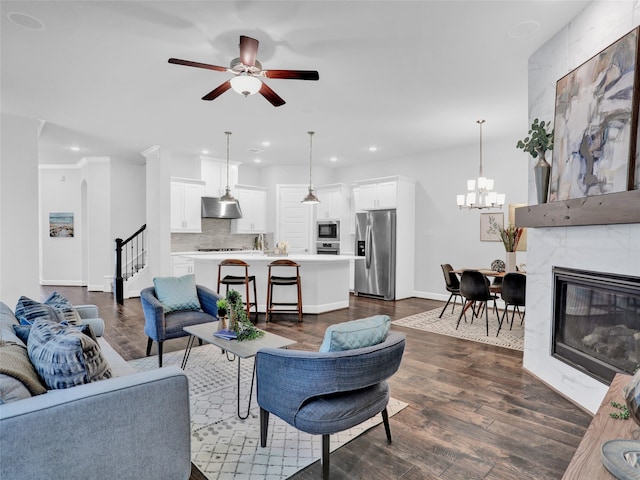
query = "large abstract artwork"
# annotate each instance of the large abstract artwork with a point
(596, 124)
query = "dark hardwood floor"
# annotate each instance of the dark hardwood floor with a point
(473, 412)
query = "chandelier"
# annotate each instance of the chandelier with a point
(480, 192)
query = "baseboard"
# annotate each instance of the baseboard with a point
(95, 288)
(431, 296)
(62, 283)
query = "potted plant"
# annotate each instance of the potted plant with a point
(223, 309)
(540, 140)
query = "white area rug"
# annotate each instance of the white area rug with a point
(476, 331)
(225, 447)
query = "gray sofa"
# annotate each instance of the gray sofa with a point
(135, 425)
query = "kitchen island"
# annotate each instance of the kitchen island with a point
(325, 278)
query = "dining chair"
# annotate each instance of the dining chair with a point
(514, 290)
(452, 284)
(474, 287)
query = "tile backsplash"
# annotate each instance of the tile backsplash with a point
(216, 233)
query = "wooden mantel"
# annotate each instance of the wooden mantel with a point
(613, 208)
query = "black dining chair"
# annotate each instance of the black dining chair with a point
(474, 287)
(514, 290)
(452, 284)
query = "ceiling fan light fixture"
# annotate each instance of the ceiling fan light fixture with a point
(246, 84)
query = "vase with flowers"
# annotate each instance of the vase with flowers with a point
(510, 237)
(539, 140)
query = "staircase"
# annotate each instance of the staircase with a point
(131, 261)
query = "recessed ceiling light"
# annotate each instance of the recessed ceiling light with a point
(523, 29)
(266, 143)
(334, 159)
(257, 160)
(75, 148)
(25, 21)
(204, 151)
(373, 148)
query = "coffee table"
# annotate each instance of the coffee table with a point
(239, 350)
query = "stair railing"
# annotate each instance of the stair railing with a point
(134, 251)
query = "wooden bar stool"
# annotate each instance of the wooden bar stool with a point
(285, 281)
(245, 280)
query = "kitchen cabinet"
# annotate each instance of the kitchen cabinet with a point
(181, 266)
(331, 206)
(214, 173)
(186, 199)
(376, 196)
(335, 204)
(253, 202)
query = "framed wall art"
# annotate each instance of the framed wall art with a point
(61, 224)
(596, 124)
(488, 224)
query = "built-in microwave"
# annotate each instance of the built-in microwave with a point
(328, 230)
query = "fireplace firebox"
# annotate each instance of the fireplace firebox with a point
(596, 322)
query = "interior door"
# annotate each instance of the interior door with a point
(294, 219)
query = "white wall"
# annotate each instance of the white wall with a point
(19, 236)
(444, 233)
(107, 199)
(609, 248)
(60, 191)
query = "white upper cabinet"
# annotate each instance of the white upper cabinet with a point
(186, 200)
(214, 173)
(253, 203)
(376, 195)
(332, 203)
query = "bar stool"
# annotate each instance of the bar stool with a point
(284, 281)
(245, 280)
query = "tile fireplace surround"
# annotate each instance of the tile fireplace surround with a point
(604, 248)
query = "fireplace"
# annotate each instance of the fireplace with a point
(596, 322)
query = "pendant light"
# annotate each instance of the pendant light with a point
(227, 197)
(480, 192)
(310, 198)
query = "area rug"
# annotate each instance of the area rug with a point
(225, 447)
(476, 331)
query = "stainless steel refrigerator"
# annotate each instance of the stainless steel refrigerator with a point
(375, 276)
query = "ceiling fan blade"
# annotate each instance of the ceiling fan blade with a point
(248, 50)
(216, 92)
(271, 96)
(292, 74)
(189, 63)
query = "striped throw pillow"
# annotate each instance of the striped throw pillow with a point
(64, 357)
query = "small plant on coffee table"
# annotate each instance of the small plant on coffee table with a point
(240, 323)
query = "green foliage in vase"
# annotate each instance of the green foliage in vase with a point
(240, 323)
(539, 140)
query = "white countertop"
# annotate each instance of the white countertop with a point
(260, 257)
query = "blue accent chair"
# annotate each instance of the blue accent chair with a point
(324, 393)
(159, 326)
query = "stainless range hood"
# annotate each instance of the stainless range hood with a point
(212, 207)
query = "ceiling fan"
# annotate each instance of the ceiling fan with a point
(247, 71)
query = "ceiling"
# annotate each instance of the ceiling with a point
(405, 76)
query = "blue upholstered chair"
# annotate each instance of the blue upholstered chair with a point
(327, 392)
(160, 326)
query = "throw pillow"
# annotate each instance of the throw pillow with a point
(60, 303)
(64, 357)
(22, 331)
(28, 311)
(177, 293)
(14, 363)
(356, 334)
